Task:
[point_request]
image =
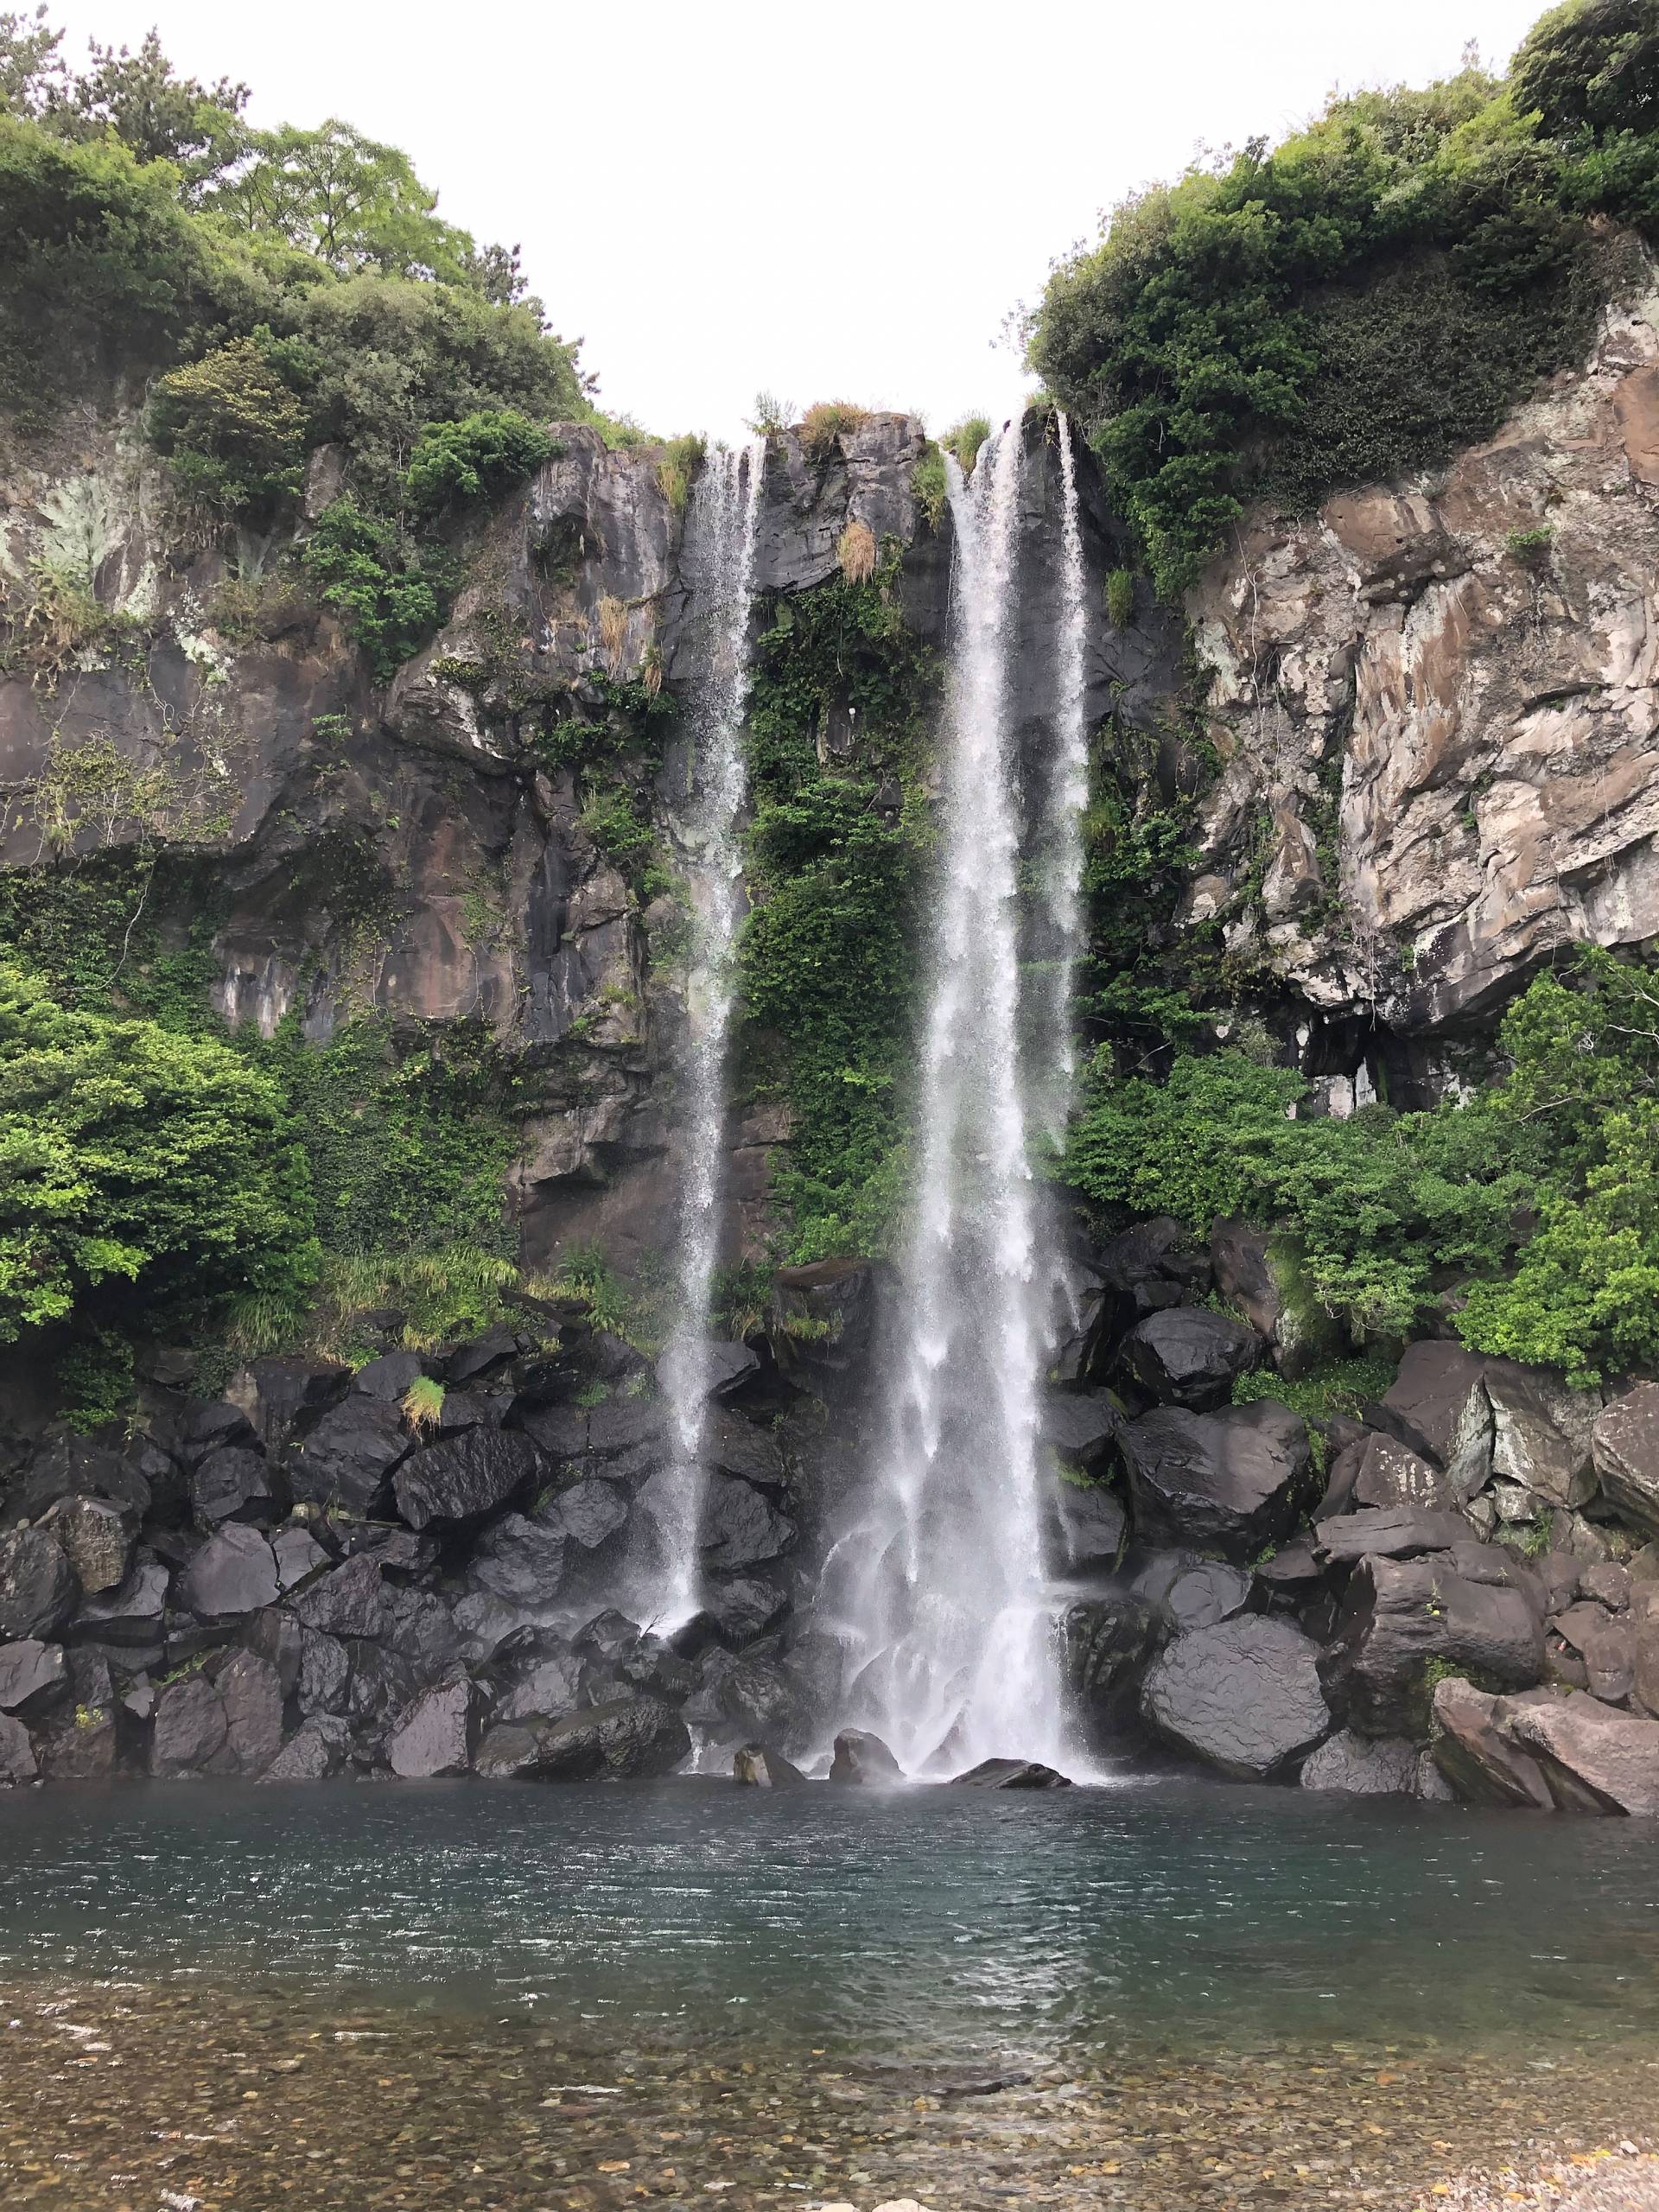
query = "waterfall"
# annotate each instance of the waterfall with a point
(1053, 1054)
(938, 1594)
(721, 538)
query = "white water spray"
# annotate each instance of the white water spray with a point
(720, 530)
(939, 1591)
(1053, 1050)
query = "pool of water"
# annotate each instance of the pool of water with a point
(918, 1923)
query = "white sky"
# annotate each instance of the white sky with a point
(834, 201)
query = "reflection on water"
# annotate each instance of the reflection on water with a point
(915, 1924)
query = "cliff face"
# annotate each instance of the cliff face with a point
(1435, 708)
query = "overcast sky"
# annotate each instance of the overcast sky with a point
(823, 202)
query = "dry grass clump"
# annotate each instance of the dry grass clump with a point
(612, 617)
(826, 422)
(855, 550)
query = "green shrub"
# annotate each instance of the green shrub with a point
(391, 604)
(1120, 598)
(682, 458)
(1591, 69)
(964, 440)
(233, 430)
(611, 821)
(929, 487)
(483, 453)
(1530, 548)
(130, 1154)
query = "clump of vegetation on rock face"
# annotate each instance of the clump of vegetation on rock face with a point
(1390, 1208)
(682, 458)
(234, 430)
(965, 438)
(1363, 299)
(855, 552)
(929, 484)
(826, 422)
(485, 453)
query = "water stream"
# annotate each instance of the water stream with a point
(720, 542)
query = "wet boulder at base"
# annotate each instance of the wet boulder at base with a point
(1105, 1643)
(757, 1766)
(860, 1757)
(474, 1474)
(18, 1763)
(348, 1454)
(1189, 1356)
(38, 1585)
(1474, 1751)
(1363, 1766)
(1243, 1696)
(628, 1740)
(1401, 1617)
(98, 1539)
(1593, 1758)
(33, 1677)
(435, 1737)
(1011, 1774)
(1227, 1482)
(1085, 1527)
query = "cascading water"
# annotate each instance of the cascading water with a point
(721, 539)
(938, 1592)
(1050, 1044)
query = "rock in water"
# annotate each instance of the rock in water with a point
(1594, 1759)
(631, 1738)
(1474, 1752)
(1363, 1766)
(761, 1767)
(434, 1736)
(38, 1587)
(32, 1676)
(1243, 1696)
(861, 1756)
(1011, 1774)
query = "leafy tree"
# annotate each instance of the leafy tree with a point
(235, 431)
(487, 451)
(130, 1154)
(1591, 68)
(30, 62)
(352, 202)
(157, 114)
(390, 603)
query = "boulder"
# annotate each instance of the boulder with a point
(1188, 1356)
(320, 1748)
(389, 1378)
(1609, 1584)
(421, 1629)
(1400, 1616)
(234, 1571)
(436, 1736)
(250, 1693)
(346, 1457)
(1593, 1759)
(133, 1615)
(33, 1677)
(17, 1761)
(1438, 1408)
(759, 1767)
(190, 1730)
(1105, 1643)
(862, 1758)
(1085, 1529)
(521, 1561)
(1363, 1766)
(325, 1673)
(482, 1354)
(1259, 1275)
(351, 1600)
(38, 1587)
(508, 1751)
(1387, 1532)
(1243, 1696)
(1200, 1595)
(205, 1425)
(82, 1750)
(740, 1526)
(734, 1613)
(632, 1739)
(547, 1689)
(722, 1369)
(1081, 1426)
(287, 1389)
(1624, 1446)
(235, 1483)
(1011, 1774)
(1145, 1269)
(840, 1300)
(98, 1539)
(72, 1467)
(1609, 1655)
(1542, 1432)
(591, 1513)
(1228, 1482)
(464, 1478)
(744, 1448)
(276, 1636)
(1292, 1571)
(753, 1696)
(299, 1556)
(1381, 1471)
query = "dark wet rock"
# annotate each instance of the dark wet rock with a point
(1609, 1655)
(1625, 1446)
(82, 1750)
(862, 1758)
(347, 1456)
(275, 1636)
(482, 1355)
(189, 1732)
(1244, 1273)
(1081, 1426)
(1085, 1530)
(464, 1478)
(18, 1763)
(740, 1526)
(558, 1431)
(1200, 1595)
(1400, 1615)
(234, 1484)
(1593, 1759)
(1560, 1577)
(522, 1562)
(72, 1467)
(1382, 1472)
(1228, 1481)
(1576, 1622)
(1437, 1407)
(350, 1600)
(1609, 1584)
(250, 1693)
(234, 1571)
(1150, 1267)
(38, 1588)
(608, 1637)
(759, 1767)
(840, 1300)
(590, 1513)
(1542, 1432)
(468, 1409)
(33, 1677)
(325, 1673)
(1291, 1572)
(98, 1538)
(1363, 1766)
(320, 1748)
(509, 1752)
(624, 1425)
(630, 1739)
(653, 1665)
(544, 1690)
(1387, 1532)
(1011, 1774)
(208, 1426)
(745, 1449)
(1188, 1356)
(388, 1378)
(287, 1390)
(132, 1614)
(725, 1367)
(755, 1697)
(733, 1613)
(1244, 1696)
(399, 1552)
(436, 1735)
(298, 1555)
(422, 1629)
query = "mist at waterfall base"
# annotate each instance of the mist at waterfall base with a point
(937, 1589)
(719, 555)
